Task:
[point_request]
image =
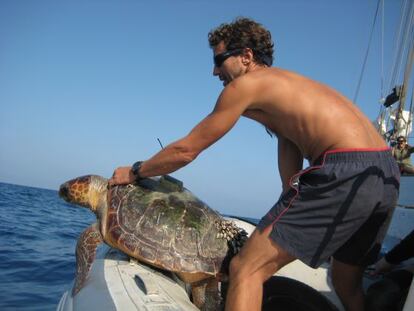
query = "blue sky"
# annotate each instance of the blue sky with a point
(87, 86)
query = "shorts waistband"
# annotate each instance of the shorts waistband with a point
(352, 155)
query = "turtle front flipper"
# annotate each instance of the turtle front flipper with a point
(85, 255)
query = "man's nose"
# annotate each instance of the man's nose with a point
(216, 71)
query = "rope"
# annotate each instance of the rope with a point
(406, 206)
(367, 52)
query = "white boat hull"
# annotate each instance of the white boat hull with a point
(118, 283)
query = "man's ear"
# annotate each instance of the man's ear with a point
(247, 56)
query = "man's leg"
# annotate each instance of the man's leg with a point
(258, 260)
(347, 280)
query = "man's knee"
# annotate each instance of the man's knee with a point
(238, 270)
(242, 269)
(259, 258)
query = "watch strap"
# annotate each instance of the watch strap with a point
(135, 170)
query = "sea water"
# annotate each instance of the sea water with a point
(38, 233)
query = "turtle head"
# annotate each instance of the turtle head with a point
(88, 191)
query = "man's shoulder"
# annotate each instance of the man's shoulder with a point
(258, 78)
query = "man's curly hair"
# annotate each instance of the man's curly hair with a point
(244, 33)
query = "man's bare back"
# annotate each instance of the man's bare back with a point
(313, 116)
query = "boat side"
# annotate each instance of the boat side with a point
(117, 282)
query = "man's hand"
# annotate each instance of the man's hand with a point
(122, 176)
(382, 266)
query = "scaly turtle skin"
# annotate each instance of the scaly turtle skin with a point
(160, 224)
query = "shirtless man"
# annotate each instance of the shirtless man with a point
(332, 209)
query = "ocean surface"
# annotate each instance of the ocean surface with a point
(38, 233)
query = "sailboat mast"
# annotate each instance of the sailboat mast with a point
(403, 96)
(407, 76)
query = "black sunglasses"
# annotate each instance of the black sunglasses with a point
(220, 58)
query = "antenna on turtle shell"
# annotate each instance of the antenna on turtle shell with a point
(159, 141)
(177, 185)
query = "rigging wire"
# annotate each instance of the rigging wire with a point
(367, 52)
(382, 112)
(406, 42)
(382, 48)
(397, 48)
(403, 54)
(410, 116)
(387, 112)
(410, 62)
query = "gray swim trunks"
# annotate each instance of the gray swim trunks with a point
(341, 207)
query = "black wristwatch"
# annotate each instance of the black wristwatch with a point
(135, 170)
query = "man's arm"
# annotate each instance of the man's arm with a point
(290, 160)
(401, 252)
(185, 150)
(230, 106)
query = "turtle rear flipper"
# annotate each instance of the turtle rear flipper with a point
(85, 255)
(206, 296)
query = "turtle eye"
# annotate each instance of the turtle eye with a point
(64, 191)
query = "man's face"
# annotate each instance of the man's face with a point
(230, 68)
(401, 143)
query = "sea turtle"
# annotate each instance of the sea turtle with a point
(160, 223)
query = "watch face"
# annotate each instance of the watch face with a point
(135, 169)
